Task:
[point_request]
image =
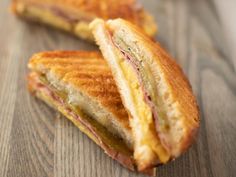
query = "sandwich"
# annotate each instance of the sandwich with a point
(164, 115)
(80, 85)
(74, 16)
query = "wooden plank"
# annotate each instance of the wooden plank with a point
(37, 141)
(8, 86)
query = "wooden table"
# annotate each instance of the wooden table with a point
(36, 141)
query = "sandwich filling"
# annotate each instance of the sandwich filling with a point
(147, 124)
(113, 145)
(147, 85)
(147, 140)
(55, 16)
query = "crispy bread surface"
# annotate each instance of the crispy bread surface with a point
(113, 146)
(176, 104)
(87, 80)
(87, 73)
(74, 15)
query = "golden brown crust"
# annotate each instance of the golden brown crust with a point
(86, 71)
(182, 93)
(71, 60)
(106, 9)
(176, 83)
(175, 79)
(38, 89)
(91, 9)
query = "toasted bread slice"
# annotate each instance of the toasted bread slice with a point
(80, 85)
(155, 91)
(87, 82)
(74, 16)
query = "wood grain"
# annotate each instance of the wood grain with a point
(37, 141)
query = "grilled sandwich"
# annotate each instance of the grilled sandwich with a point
(74, 16)
(155, 92)
(80, 85)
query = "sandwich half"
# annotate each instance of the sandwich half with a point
(155, 92)
(74, 16)
(80, 85)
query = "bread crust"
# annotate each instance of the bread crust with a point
(125, 159)
(53, 60)
(177, 84)
(88, 73)
(87, 10)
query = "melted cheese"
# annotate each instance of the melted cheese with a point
(79, 28)
(147, 145)
(99, 133)
(43, 15)
(82, 30)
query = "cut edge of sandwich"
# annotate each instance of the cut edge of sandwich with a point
(158, 96)
(97, 133)
(77, 24)
(75, 95)
(115, 143)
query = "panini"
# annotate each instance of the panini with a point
(154, 90)
(80, 85)
(74, 16)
